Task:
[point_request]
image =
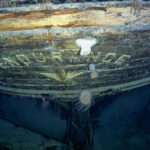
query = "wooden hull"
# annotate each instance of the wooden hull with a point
(39, 56)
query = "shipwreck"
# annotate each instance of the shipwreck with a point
(61, 50)
(56, 60)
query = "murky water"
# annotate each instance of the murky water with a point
(118, 122)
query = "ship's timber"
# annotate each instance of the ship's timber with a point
(39, 56)
(69, 15)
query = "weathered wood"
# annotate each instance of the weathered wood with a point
(78, 16)
(39, 56)
(40, 37)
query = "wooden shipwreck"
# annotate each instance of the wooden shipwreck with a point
(39, 54)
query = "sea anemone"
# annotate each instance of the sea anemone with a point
(85, 101)
(94, 75)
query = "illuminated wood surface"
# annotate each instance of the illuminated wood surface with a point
(84, 15)
(39, 56)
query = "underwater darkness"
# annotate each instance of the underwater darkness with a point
(118, 122)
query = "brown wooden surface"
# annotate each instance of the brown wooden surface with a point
(23, 67)
(39, 55)
(84, 15)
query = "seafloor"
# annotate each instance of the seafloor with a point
(17, 138)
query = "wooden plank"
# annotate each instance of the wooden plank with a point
(65, 37)
(70, 17)
(84, 79)
(101, 91)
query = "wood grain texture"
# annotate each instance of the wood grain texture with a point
(82, 16)
(39, 56)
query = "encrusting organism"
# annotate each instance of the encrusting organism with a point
(86, 44)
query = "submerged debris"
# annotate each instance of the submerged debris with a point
(136, 5)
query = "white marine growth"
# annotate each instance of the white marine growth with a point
(86, 44)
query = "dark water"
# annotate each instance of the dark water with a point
(119, 122)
